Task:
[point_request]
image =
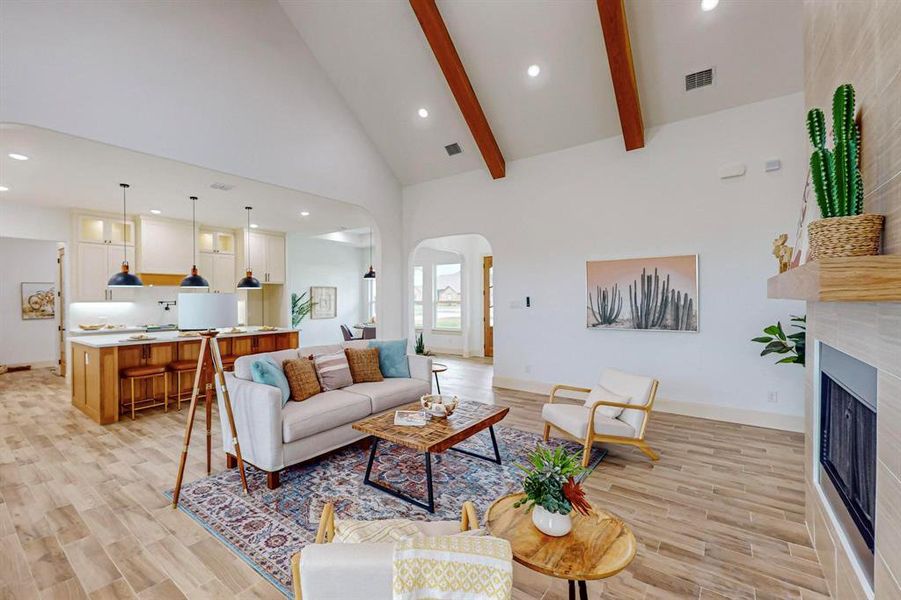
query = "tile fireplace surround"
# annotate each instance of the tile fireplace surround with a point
(872, 334)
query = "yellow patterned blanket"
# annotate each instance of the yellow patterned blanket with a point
(453, 568)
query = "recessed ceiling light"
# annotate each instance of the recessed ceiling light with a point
(533, 70)
(304, 213)
(3, 188)
(253, 225)
(155, 211)
(15, 156)
(709, 4)
(423, 112)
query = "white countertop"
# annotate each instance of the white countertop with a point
(78, 331)
(120, 338)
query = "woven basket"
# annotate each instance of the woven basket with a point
(837, 237)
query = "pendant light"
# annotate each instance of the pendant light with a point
(248, 282)
(370, 274)
(194, 280)
(123, 278)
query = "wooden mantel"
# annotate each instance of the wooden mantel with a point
(856, 279)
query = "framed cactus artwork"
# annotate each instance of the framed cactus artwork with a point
(645, 294)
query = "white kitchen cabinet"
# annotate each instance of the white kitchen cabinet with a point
(105, 230)
(164, 246)
(218, 270)
(216, 241)
(267, 257)
(97, 262)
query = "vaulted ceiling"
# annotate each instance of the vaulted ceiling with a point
(377, 56)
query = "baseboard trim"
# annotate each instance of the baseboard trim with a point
(690, 409)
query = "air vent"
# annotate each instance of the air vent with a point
(453, 149)
(217, 185)
(699, 79)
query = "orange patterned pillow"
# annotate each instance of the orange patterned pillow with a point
(302, 378)
(364, 364)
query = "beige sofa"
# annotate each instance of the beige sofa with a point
(273, 437)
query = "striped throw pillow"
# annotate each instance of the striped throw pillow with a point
(333, 371)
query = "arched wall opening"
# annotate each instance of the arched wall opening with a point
(449, 285)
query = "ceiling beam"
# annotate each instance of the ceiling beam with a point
(622, 71)
(446, 54)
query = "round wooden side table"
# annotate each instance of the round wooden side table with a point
(438, 368)
(599, 545)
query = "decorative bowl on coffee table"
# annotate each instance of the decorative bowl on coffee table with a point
(439, 405)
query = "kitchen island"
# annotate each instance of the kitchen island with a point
(97, 361)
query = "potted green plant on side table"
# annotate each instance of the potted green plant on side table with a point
(553, 490)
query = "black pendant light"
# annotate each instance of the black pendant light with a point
(370, 274)
(194, 280)
(248, 282)
(123, 278)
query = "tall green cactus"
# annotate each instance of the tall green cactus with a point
(835, 173)
(649, 302)
(609, 305)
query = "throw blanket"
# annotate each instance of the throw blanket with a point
(453, 568)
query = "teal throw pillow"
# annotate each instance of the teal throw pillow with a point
(392, 358)
(267, 372)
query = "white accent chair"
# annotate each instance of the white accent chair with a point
(358, 571)
(585, 424)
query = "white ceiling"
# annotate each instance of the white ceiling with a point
(70, 172)
(378, 58)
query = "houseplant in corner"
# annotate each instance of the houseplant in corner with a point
(844, 230)
(552, 489)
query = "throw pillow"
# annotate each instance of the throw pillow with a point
(364, 364)
(351, 531)
(601, 393)
(302, 378)
(267, 372)
(333, 371)
(392, 357)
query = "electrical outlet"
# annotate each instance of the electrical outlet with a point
(772, 397)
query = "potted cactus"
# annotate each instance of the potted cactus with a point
(844, 230)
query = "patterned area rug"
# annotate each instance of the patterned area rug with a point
(267, 527)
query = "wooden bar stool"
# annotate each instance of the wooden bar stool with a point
(178, 367)
(147, 372)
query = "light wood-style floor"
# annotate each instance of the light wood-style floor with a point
(81, 513)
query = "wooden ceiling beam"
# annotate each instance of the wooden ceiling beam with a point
(446, 54)
(622, 70)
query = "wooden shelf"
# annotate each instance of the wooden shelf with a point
(856, 279)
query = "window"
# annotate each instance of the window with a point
(370, 301)
(448, 297)
(417, 297)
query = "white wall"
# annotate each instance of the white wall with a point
(469, 251)
(34, 222)
(323, 263)
(33, 342)
(229, 86)
(555, 211)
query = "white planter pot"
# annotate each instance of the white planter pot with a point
(550, 523)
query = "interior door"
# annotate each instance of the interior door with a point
(488, 303)
(61, 309)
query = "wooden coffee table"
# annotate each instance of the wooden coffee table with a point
(436, 436)
(600, 545)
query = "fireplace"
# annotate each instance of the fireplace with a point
(847, 475)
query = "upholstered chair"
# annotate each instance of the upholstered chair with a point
(363, 571)
(616, 411)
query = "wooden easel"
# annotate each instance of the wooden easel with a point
(209, 369)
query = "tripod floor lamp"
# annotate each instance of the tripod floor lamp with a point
(205, 312)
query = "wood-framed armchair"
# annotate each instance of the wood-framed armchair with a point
(587, 425)
(358, 571)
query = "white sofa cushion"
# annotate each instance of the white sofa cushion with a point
(347, 571)
(573, 419)
(390, 392)
(599, 393)
(637, 387)
(321, 412)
